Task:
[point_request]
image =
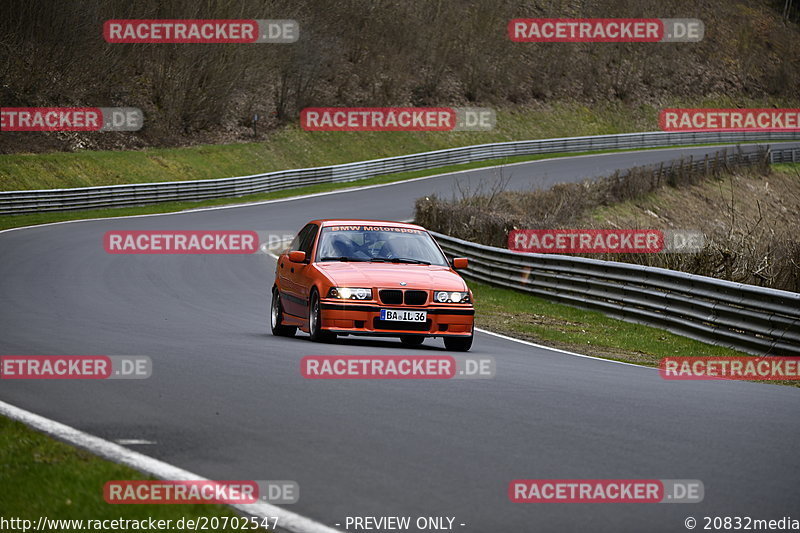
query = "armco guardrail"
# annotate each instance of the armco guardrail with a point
(14, 202)
(752, 319)
(787, 155)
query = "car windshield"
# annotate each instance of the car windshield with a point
(390, 244)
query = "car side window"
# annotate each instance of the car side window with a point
(307, 242)
(297, 243)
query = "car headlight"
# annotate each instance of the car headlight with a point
(350, 293)
(447, 297)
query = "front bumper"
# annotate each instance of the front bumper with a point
(357, 318)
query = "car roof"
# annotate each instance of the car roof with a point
(361, 222)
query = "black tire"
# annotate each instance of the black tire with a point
(314, 319)
(276, 317)
(458, 344)
(412, 340)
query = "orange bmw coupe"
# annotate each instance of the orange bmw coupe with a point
(374, 278)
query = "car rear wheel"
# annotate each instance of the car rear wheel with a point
(315, 320)
(412, 340)
(276, 317)
(458, 344)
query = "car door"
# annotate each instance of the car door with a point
(282, 271)
(295, 275)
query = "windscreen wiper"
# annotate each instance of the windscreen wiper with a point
(341, 258)
(399, 260)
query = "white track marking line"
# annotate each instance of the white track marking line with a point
(133, 442)
(287, 520)
(366, 187)
(506, 337)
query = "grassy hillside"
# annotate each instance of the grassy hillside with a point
(292, 147)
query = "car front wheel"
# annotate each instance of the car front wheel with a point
(458, 344)
(412, 340)
(315, 321)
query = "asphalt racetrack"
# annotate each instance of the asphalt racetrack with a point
(227, 401)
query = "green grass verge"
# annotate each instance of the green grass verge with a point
(528, 317)
(40, 476)
(291, 147)
(32, 219)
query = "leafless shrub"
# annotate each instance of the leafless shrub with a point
(747, 250)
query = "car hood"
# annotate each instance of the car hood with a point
(430, 277)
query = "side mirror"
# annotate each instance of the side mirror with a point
(460, 262)
(297, 256)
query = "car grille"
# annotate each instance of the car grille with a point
(415, 297)
(397, 297)
(391, 296)
(377, 323)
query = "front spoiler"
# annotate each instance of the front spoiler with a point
(373, 308)
(362, 319)
(368, 333)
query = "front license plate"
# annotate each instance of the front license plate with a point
(401, 315)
